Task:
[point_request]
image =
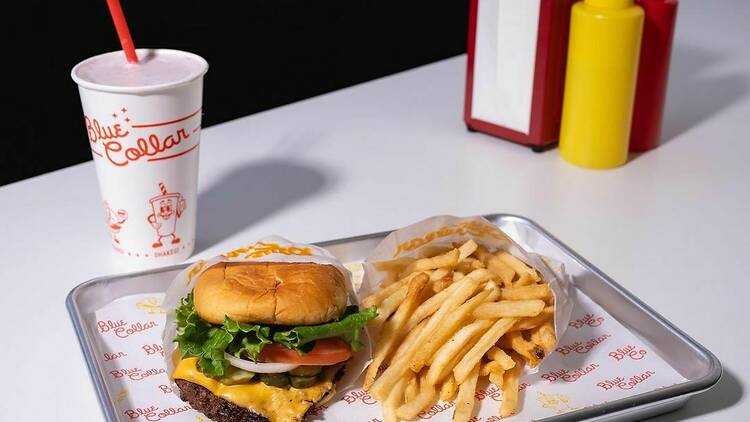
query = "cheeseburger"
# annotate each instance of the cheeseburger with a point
(265, 341)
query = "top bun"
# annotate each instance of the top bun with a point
(270, 293)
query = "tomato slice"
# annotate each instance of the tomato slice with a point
(327, 351)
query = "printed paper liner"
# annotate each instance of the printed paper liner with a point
(598, 360)
(268, 249)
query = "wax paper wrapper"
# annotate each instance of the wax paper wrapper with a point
(269, 249)
(435, 234)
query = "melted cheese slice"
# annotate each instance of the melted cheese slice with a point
(276, 404)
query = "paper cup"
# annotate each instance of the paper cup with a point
(143, 125)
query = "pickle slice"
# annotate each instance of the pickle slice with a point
(234, 376)
(306, 370)
(275, 380)
(303, 382)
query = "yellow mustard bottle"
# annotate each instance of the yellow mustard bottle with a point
(600, 80)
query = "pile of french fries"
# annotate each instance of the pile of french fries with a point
(451, 318)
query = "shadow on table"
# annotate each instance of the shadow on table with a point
(698, 89)
(726, 393)
(248, 194)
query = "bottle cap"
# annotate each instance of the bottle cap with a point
(610, 4)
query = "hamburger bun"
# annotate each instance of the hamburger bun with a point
(272, 293)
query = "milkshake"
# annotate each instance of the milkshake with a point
(156, 69)
(143, 123)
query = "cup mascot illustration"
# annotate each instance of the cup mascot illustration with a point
(115, 220)
(166, 208)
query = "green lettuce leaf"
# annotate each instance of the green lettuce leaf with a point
(208, 342)
(198, 338)
(349, 328)
(192, 331)
(249, 339)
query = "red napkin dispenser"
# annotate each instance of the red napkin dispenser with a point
(516, 69)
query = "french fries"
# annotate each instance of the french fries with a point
(439, 274)
(509, 308)
(377, 297)
(510, 389)
(498, 355)
(439, 367)
(544, 336)
(489, 367)
(497, 378)
(441, 284)
(429, 306)
(537, 291)
(423, 400)
(465, 399)
(448, 259)
(466, 249)
(412, 389)
(409, 341)
(532, 352)
(529, 323)
(445, 329)
(393, 266)
(393, 330)
(448, 389)
(389, 305)
(393, 400)
(450, 317)
(525, 273)
(500, 269)
(488, 339)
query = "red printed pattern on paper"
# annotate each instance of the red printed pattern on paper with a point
(580, 347)
(628, 351)
(358, 395)
(153, 413)
(622, 384)
(153, 349)
(492, 391)
(136, 374)
(436, 410)
(589, 320)
(570, 376)
(114, 355)
(165, 389)
(121, 329)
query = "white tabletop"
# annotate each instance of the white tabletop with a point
(671, 225)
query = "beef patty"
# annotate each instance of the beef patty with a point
(216, 408)
(221, 410)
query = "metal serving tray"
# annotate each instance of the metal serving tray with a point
(695, 363)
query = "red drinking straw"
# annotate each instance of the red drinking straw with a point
(121, 25)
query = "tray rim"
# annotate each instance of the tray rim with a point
(682, 390)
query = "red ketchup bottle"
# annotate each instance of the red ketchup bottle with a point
(653, 71)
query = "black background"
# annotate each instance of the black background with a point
(262, 54)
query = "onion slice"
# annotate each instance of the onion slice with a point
(260, 367)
